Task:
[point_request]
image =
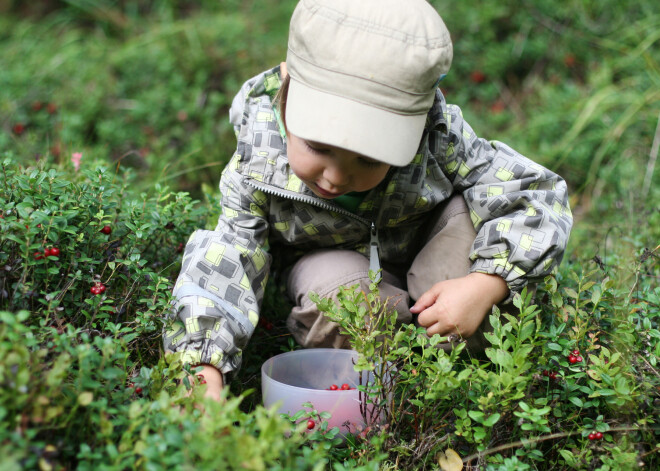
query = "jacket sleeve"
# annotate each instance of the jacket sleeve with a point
(221, 284)
(519, 208)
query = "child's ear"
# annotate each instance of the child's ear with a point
(283, 71)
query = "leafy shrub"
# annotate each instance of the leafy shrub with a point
(526, 404)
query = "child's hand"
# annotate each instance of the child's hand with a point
(213, 379)
(459, 306)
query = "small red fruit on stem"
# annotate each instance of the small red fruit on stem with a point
(18, 128)
(592, 436)
(598, 435)
(106, 230)
(310, 424)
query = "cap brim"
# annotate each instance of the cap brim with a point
(373, 132)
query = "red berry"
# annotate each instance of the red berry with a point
(598, 435)
(100, 287)
(477, 76)
(592, 436)
(310, 424)
(572, 359)
(497, 107)
(553, 375)
(106, 229)
(18, 128)
(578, 359)
(333, 387)
(131, 385)
(345, 387)
(138, 390)
(545, 373)
(38, 255)
(576, 352)
(53, 252)
(94, 290)
(569, 60)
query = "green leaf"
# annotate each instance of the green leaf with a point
(492, 420)
(85, 398)
(577, 401)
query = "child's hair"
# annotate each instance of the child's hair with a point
(280, 99)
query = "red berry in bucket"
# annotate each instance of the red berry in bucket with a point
(345, 387)
(333, 387)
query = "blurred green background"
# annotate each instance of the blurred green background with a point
(573, 85)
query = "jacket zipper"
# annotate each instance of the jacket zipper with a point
(374, 257)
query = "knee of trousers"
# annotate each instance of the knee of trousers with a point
(446, 253)
(323, 272)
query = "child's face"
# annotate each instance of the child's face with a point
(331, 171)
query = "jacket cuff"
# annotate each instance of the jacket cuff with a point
(179, 346)
(513, 277)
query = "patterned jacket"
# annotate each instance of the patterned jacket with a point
(519, 209)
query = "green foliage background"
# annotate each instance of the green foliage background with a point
(142, 89)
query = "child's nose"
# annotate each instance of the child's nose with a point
(337, 175)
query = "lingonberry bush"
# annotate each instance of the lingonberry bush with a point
(522, 404)
(82, 381)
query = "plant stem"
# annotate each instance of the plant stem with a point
(529, 441)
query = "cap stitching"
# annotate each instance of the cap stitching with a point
(356, 23)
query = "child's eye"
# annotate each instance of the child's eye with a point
(316, 150)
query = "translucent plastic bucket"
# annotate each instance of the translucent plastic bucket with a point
(293, 378)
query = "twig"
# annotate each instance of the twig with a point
(653, 156)
(540, 439)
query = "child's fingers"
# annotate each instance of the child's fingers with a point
(426, 300)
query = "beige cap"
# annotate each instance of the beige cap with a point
(364, 74)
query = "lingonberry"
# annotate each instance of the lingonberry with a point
(478, 76)
(576, 352)
(592, 436)
(598, 435)
(310, 424)
(345, 387)
(569, 60)
(101, 287)
(18, 128)
(95, 290)
(572, 359)
(38, 255)
(138, 390)
(552, 375)
(52, 252)
(578, 359)
(106, 230)
(333, 387)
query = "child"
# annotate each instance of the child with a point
(362, 164)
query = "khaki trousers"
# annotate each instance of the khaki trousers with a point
(444, 256)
